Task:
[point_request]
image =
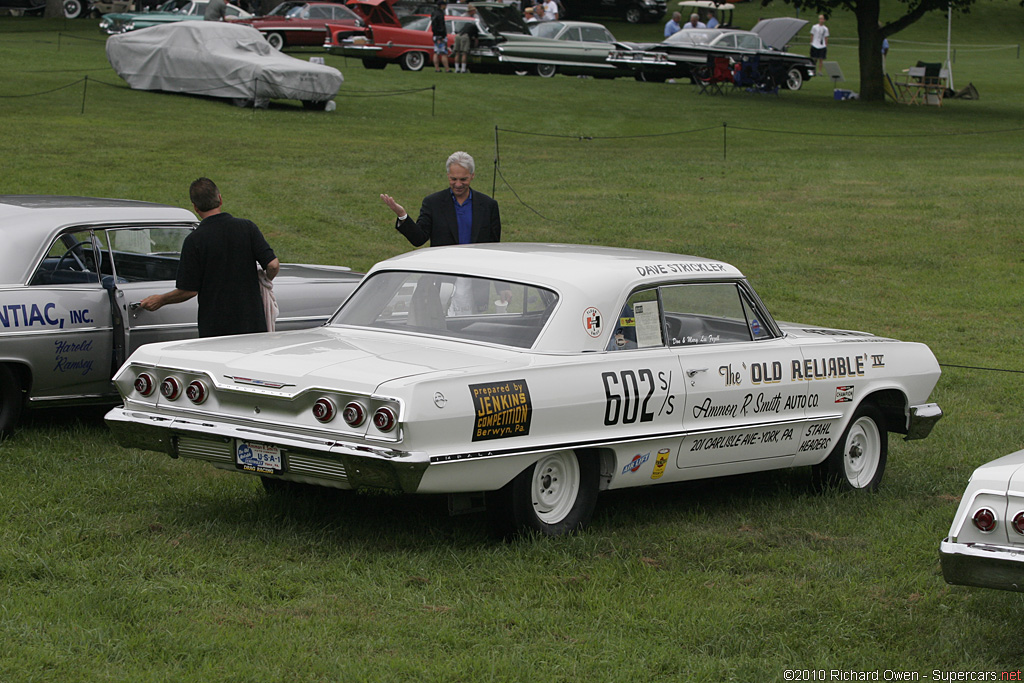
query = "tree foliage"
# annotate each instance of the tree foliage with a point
(871, 31)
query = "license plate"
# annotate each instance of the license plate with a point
(258, 457)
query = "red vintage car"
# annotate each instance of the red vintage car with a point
(386, 40)
(303, 23)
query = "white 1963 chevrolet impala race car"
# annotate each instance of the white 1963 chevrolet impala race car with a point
(607, 368)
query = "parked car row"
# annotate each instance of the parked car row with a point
(507, 44)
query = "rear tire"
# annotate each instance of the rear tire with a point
(73, 9)
(857, 462)
(413, 61)
(374, 64)
(553, 497)
(546, 70)
(634, 15)
(276, 41)
(11, 401)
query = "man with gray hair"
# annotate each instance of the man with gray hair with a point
(457, 215)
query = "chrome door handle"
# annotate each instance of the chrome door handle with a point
(691, 373)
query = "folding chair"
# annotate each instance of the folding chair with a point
(713, 75)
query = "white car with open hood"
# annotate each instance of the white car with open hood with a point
(540, 374)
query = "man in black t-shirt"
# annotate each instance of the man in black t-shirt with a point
(218, 262)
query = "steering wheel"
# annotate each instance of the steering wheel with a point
(78, 259)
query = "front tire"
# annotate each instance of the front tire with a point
(73, 9)
(553, 497)
(794, 79)
(11, 401)
(413, 61)
(546, 70)
(857, 462)
(276, 41)
(634, 15)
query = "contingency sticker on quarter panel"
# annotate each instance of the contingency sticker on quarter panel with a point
(592, 322)
(648, 324)
(503, 409)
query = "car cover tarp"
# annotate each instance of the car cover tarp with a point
(217, 59)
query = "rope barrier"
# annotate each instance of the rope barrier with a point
(219, 84)
(974, 367)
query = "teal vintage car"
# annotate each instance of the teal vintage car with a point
(170, 11)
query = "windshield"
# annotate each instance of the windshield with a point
(450, 306)
(284, 8)
(546, 29)
(691, 36)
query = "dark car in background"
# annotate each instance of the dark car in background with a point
(682, 53)
(633, 11)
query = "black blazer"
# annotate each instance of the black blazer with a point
(437, 222)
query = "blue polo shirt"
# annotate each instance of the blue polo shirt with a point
(464, 217)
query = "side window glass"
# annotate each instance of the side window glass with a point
(726, 41)
(71, 260)
(750, 42)
(144, 254)
(639, 323)
(708, 313)
(758, 330)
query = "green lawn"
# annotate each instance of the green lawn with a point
(119, 565)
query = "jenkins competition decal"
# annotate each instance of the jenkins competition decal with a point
(502, 409)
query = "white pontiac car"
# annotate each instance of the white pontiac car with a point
(607, 368)
(985, 545)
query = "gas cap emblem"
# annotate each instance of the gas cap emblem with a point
(440, 400)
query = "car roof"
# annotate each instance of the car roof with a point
(30, 223)
(584, 276)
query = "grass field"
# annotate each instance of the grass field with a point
(119, 565)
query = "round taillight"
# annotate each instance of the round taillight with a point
(170, 388)
(384, 419)
(354, 414)
(985, 520)
(196, 391)
(144, 383)
(324, 410)
(1018, 522)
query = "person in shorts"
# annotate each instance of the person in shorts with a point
(467, 37)
(439, 29)
(819, 42)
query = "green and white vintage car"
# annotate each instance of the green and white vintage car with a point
(539, 375)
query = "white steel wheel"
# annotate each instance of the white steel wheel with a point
(556, 484)
(276, 41)
(553, 497)
(794, 79)
(862, 452)
(857, 461)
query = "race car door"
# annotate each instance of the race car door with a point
(60, 324)
(740, 403)
(143, 260)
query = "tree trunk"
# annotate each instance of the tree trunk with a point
(869, 34)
